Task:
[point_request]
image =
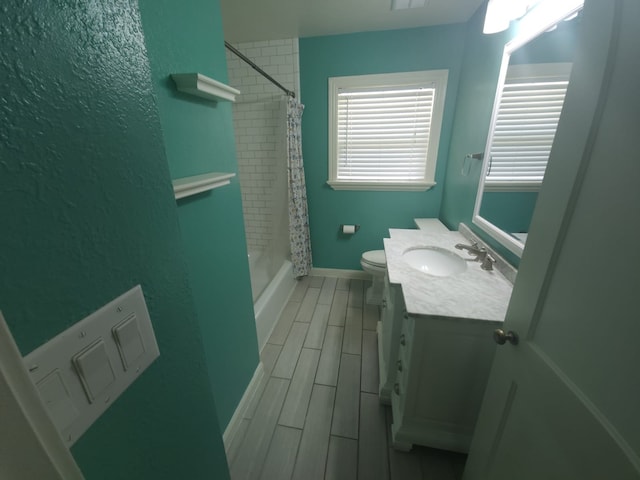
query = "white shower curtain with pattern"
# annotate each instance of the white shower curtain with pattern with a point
(298, 210)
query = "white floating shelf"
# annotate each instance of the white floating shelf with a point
(204, 87)
(184, 187)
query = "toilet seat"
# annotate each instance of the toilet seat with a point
(375, 258)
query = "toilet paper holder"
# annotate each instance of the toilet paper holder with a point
(346, 229)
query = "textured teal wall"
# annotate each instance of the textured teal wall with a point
(358, 54)
(187, 37)
(87, 213)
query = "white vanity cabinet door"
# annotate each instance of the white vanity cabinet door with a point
(445, 367)
(391, 313)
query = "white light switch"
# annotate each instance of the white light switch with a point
(57, 399)
(129, 340)
(94, 368)
(84, 369)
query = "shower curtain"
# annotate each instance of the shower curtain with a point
(298, 210)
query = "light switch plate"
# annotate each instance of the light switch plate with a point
(80, 372)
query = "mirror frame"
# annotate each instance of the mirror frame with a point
(534, 24)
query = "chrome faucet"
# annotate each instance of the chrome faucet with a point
(481, 254)
(473, 249)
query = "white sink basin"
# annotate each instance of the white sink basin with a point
(436, 261)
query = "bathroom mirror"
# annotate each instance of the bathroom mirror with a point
(533, 80)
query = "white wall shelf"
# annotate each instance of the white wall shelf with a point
(204, 87)
(184, 187)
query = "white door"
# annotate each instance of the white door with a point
(30, 445)
(564, 403)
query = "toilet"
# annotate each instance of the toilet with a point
(374, 262)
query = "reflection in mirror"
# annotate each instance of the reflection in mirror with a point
(529, 99)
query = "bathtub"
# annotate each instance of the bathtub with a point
(271, 297)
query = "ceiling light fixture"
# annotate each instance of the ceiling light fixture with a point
(501, 12)
(406, 4)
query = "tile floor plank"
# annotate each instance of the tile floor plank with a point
(342, 461)
(300, 289)
(345, 413)
(352, 342)
(329, 364)
(436, 464)
(341, 406)
(343, 284)
(356, 293)
(257, 396)
(318, 327)
(282, 454)
(248, 463)
(281, 330)
(404, 465)
(369, 381)
(269, 357)
(327, 291)
(308, 305)
(338, 312)
(373, 462)
(370, 317)
(316, 282)
(288, 358)
(295, 406)
(234, 447)
(314, 444)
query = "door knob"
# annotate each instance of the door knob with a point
(501, 338)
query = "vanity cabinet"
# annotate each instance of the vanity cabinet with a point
(435, 359)
(442, 367)
(391, 312)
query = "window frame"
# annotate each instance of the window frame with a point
(426, 78)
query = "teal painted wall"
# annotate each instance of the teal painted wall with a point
(199, 138)
(480, 70)
(358, 54)
(479, 78)
(88, 212)
(509, 211)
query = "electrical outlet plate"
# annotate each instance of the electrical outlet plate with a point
(80, 372)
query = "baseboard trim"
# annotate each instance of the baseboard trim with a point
(234, 424)
(340, 273)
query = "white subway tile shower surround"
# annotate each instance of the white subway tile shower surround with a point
(259, 129)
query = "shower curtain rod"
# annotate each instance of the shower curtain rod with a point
(258, 69)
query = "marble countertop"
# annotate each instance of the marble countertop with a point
(473, 294)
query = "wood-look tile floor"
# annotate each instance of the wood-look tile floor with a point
(316, 415)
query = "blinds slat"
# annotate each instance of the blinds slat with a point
(383, 134)
(524, 130)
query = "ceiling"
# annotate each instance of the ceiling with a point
(254, 20)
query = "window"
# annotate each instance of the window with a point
(384, 130)
(525, 126)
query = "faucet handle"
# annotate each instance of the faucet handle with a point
(487, 262)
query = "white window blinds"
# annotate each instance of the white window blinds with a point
(384, 130)
(526, 123)
(383, 134)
